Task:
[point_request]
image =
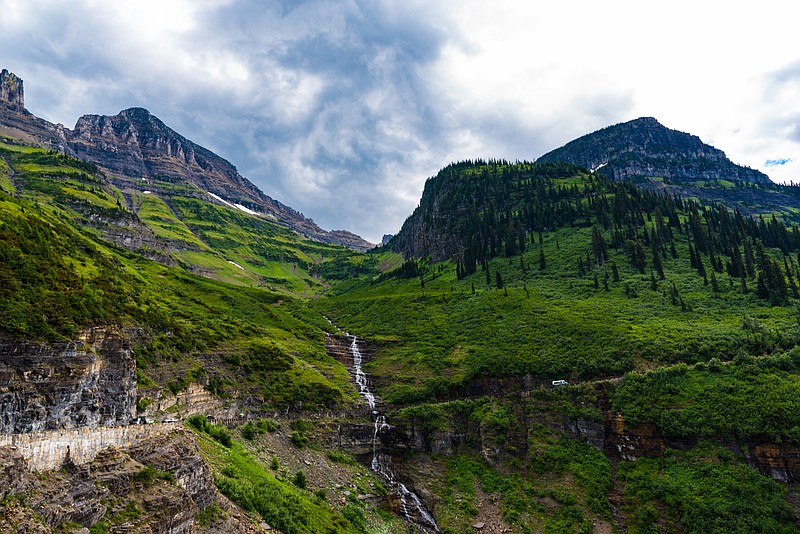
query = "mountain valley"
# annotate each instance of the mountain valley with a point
(601, 340)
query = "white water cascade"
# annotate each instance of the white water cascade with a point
(411, 505)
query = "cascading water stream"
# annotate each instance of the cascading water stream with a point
(411, 505)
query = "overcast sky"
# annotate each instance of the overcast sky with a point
(342, 108)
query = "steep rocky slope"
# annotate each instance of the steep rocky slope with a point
(85, 383)
(135, 146)
(644, 148)
(161, 485)
(655, 157)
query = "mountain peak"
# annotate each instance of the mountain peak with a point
(644, 148)
(11, 90)
(135, 144)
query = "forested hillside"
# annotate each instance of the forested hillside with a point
(671, 319)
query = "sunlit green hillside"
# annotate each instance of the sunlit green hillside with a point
(614, 280)
(173, 221)
(59, 274)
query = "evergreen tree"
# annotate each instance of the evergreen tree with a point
(657, 264)
(714, 283)
(498, 280)
(542, 261)
(749, 258)
(762, 291)
(598, 246)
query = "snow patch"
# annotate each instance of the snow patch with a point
(600, 166)
(237, 206)
(246, 210)
(236, 264)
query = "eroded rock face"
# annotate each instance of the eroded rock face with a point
(11, 91)
(13, 474)
(777, 461)
(631, 442)
(126, 487)
(88, 382)
(178, 454)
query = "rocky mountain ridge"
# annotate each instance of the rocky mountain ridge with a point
(644, 148)
(138, 148)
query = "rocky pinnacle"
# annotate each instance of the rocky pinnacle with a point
(11, 92)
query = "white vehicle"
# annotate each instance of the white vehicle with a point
(557, 383)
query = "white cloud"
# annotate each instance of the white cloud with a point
(316, 101)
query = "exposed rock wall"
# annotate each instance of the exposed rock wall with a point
(89, 382)
(112, 484)
(194, 399)
(11, 91)
(44, 451)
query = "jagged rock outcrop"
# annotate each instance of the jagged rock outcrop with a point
(179, 455)
(11, 91)
(17, 122)
(13, 474)
(87, 382)
(645, 148)
(159, 485)
(134, 145)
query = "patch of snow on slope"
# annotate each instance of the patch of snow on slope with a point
(246, 210)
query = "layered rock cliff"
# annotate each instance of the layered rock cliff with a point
(11, 91)
(89, 382)
(159, 485)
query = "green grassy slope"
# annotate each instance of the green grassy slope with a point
(664, 311)
(58, 275)
(176, 220)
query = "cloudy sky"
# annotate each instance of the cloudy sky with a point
(342, 108)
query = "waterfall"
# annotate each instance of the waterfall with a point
(411, 505)
(360, 377)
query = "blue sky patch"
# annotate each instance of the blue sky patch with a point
(777, 162)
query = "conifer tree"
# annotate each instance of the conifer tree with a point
(598, 246)
(657, 264)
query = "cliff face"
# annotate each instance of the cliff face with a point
(645, 148)
(137, 144)
(89, 382)
(122, 486)
(11, 91)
